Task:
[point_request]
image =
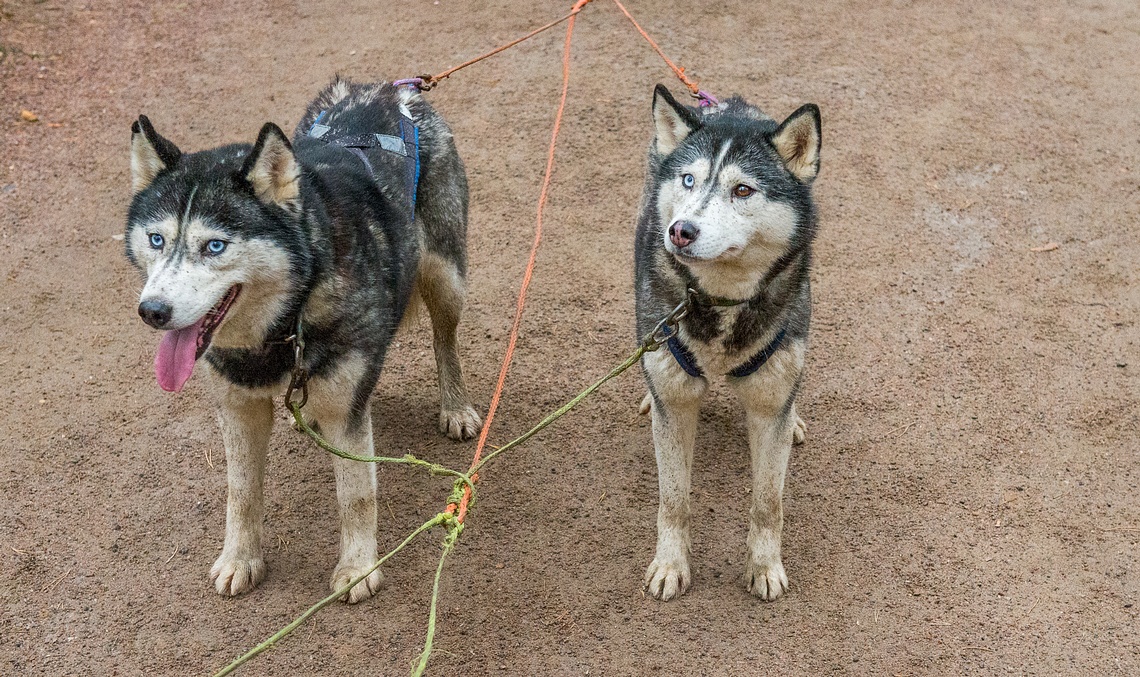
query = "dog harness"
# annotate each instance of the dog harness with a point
(688, 362)
(406, 145)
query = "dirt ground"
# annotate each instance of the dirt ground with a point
(966, 502)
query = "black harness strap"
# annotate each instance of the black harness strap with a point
(407, 145)
(688, 362)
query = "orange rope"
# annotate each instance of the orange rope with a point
(514, 335)
(677, 70)
(430, 81)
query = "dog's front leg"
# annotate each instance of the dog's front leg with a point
(246, 422)
(676, 408)
(772, 425)
(355, 493)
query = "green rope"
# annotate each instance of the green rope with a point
(463, 480)
(453, 532)
(441, 518)
(645, 347)
(406, 459)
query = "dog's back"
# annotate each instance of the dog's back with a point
(438, 191)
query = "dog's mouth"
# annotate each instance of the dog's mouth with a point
(728, 254)
(181, 348)
(213, 318)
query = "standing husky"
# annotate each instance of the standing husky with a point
(726, 223)
(243, 247)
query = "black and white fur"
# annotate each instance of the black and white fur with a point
(306, 230)
(727, 212)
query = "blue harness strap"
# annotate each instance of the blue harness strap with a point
(685, 358)
(407, 145)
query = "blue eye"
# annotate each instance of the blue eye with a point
(688, 181)
(215, 247)
(156, 241)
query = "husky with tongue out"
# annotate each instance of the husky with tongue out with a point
(335, 232)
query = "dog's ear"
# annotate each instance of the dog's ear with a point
(797, 141)
(272, 169)
(674, 121)
(150, 154)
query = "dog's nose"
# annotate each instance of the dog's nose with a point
(682, 233)
(155, 313)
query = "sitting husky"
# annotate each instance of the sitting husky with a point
(727, 223)
(331, 236)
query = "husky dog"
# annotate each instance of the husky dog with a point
(727, 223)
(241, 247)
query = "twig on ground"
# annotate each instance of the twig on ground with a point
(901, 428)
(51, 586)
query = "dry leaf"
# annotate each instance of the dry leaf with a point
(29, 116)
(1046, 247)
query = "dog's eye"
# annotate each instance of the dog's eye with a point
(688, 181)
(742, 190)
(215, 247)
(156, 241)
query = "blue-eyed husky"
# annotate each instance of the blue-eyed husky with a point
(333, 234)
(727, 224)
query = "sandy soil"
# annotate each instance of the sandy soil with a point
(966, 502)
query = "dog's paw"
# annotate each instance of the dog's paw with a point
(799, 431)
(666, 580)
(363, 590)
(765, 580)
(463, 424)
(646, 404)
(235, 575)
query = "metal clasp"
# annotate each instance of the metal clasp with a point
(668, 326)
(300, 376)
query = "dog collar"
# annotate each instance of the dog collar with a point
(688, 362)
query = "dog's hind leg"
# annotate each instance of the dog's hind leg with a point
(246, 422)
(442, 288)
(768, 397)
(799, 428)
(675, 413)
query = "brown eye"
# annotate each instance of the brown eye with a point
(742, 190)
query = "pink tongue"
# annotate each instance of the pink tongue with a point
(174, 362)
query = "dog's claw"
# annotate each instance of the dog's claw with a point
(766, 581)
(667, 580)
(799, 431)
(233, 576)
(361, 591)
(463, 424)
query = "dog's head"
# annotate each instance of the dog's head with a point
(733, 186)
(208, 232)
